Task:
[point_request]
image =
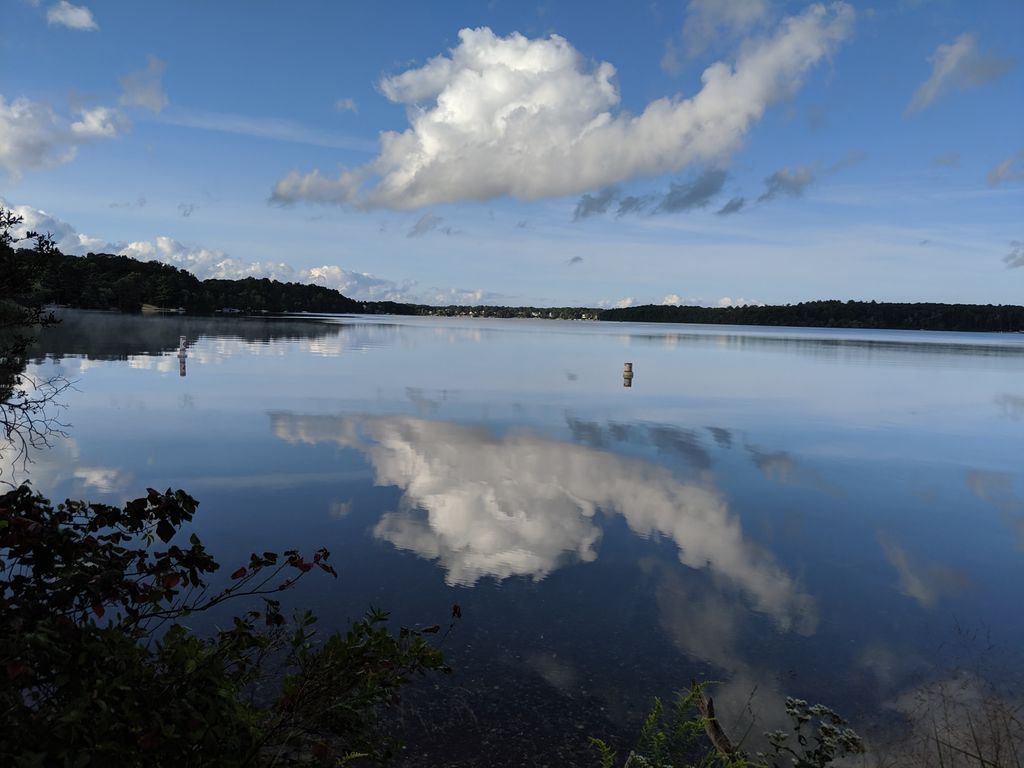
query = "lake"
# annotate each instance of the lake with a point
(831, 514)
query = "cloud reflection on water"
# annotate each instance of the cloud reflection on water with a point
(925, 582)
(996, 488)
(520, 504)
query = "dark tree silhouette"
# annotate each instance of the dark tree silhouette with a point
(29, 406)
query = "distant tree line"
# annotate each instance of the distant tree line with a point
(553, 313)
(105, 281)
(838, 314)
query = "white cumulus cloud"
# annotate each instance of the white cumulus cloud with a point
(98, 123)
(207, 263)
(728, 301)
(68, 239)
(33, 136)
(531, 118)
(78, 17)
(675, 300)
(204, 263)
(957, 65)
(144, 88)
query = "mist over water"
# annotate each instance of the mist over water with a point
(836, 515)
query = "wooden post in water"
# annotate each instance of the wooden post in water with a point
(627, 375)
(182, 354)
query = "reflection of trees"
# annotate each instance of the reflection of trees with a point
(28, 407)
(112, 336)
(1011, 405)
(960, 721)
(521, 504)
(848, 345)
(29, 415)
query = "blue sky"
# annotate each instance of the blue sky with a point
(702, 152)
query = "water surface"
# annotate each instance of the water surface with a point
(837, 515)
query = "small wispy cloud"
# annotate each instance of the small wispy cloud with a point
(1010, 169)
(957, 66)
(430, 222)
(1015, 258)
(670, 62)
(693, 194)
(139, 202)
(143, 88)
(735, 205)
(681, 196)
(792, 182)
(635, 204)
(346, 105)
(594, 203)
(851, 158)
(271, 128)
(788, 181)
(712, 20)
(78, 17)
(947, 160)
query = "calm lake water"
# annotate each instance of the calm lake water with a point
(832, 514)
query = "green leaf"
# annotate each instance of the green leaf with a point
(165, 531)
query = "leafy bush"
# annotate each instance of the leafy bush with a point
(689, 736)
(96, 668)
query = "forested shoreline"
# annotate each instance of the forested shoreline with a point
(925, 316)
(106, 281)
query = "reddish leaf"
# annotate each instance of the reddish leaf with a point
(149, 740)
(431, 630)
(98, 609)
(171, 580)
(456, 611)
(239, 573)
(18, 669)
